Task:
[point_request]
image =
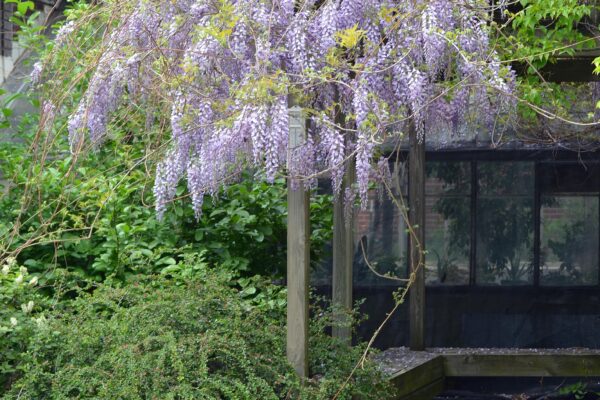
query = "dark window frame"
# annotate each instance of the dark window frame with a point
(8, 29)
(539, 158)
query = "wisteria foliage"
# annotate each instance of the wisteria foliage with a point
(361, 70)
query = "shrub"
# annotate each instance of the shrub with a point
(21, 314)
(164, 339)
(93, 216)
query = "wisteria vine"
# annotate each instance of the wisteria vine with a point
(361, 69)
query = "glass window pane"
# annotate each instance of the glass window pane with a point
(448, 178)
(569, 177)
(505, 178)
(399, 171)
(504, 240)
(569, 240)
(382, 231)
(448, 240)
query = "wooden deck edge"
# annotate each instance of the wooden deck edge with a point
(427, 392)
(426, 380)
(420, 380)
(526, 365)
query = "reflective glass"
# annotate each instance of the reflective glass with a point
(380, 236)
(504, 252)
(569, 240)
(447, 222)
(381, 242)
(569, 177)
(448, 178)
(447, 240)
(505, 178)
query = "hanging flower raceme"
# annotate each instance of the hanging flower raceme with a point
(228, 67)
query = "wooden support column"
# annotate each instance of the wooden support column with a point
(343, 256)
(416, 216)
(298, 257)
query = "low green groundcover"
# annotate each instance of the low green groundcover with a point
(162, 339)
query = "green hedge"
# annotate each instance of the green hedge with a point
(166, 339)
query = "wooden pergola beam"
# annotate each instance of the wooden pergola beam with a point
(343, 245)
(343, 256)
(416, 217)
(298, 257)
(575, 68)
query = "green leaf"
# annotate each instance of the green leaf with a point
(250, 290)
(22, 6)
(167, 261)
(349, 38)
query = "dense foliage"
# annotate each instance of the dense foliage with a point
(534, 36)
(73, 221)
(198, 90)
(194, 338)
(20, 315)
(97, 220)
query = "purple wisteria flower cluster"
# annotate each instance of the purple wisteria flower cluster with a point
(228, 68)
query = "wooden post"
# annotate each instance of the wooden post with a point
(343, 256)
(298, 257)
(416, 216)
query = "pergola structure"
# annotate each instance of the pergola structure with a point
(577, 68)
(298, 252)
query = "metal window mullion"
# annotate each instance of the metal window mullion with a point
(2, 28)
(537, 220)
(406, 207)
(473, 252)
(7, 29)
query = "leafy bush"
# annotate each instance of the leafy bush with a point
(94, 216)
(170, 339)
(93, 213)
(20, 316)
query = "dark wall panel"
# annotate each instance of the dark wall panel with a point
(488, 317)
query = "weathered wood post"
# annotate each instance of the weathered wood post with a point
(416, 217)
(343, 255)
(343, 243)
(298, 256)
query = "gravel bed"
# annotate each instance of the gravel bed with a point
(398, 359)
